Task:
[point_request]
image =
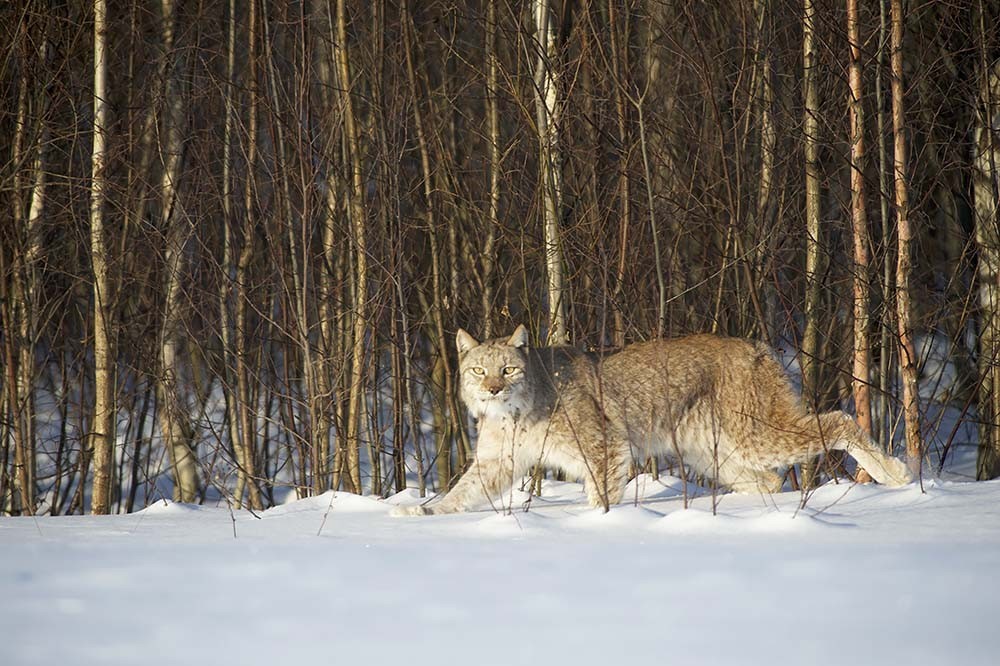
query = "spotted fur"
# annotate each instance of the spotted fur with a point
(721, 406)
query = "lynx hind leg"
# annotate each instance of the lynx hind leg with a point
(843, 433)
(605, 484)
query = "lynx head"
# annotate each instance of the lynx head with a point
(493, 375)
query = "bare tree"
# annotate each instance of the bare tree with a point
(547, 114)
(175, 426)
(886, 368)
(232, 283)
(859, 220)
(904, 252)
(356, 208)
(22, 308)
(810, 356)
(242, 352)
(493, 143)
(985, 188)
(102, 431)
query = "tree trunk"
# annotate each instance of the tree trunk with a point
(245, 397)
(886, 366)
(24, 288)
(102, 429)
(810, 362)
(904, 253)
(227, 264)
(356, 215)
(764, 102)
(859, 222)
(624, 186)
(175, 426)
(329, 347)
(985, 188)
(548, 113)
(493, 140)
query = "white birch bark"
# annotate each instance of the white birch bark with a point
(904, 250)
(102, 429)
(985, 188)
(356, 207)
(859, 217)
(493, 216)
(175, 426)
(810, 123)
(547, 112)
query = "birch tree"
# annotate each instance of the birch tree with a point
(356, 214)
(175, 426)
(102, 430)
(810, 124)
(985, 189)
(810, 356)
(859, 222)
(763, 98)
(21, 313)
(328, 315)
(904, 251)
(547, 115)
(245, 452)
(232, 284)
(493, 145)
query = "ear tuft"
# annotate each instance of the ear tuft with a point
(464, 341)
(519, 338)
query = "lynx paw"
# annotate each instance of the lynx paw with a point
(413, 510)
(899, 473)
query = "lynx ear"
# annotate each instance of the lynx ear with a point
(519, 338)
(464, 341)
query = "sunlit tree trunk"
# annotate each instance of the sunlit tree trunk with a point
(102, 437)
(246, 398)
(328, 315)
(547, 114)
(175, 425)
(985, 191)
(236, 437)
(763, 101)
(904, 251)
(356, 214)
(325, 370)
(859, 222)
(493, 141)
(886, 368)
(624, 183)
(810, 338)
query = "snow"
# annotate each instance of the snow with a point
(861, 574)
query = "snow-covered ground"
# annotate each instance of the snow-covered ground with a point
(862, 575)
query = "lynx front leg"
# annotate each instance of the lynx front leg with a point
(486, 480)
(753, 482)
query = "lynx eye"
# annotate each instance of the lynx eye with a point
(479, 372)
(510, 370)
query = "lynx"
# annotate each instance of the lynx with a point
(721, 406)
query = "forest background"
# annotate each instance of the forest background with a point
(241, 235)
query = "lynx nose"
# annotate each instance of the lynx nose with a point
(493, 385)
